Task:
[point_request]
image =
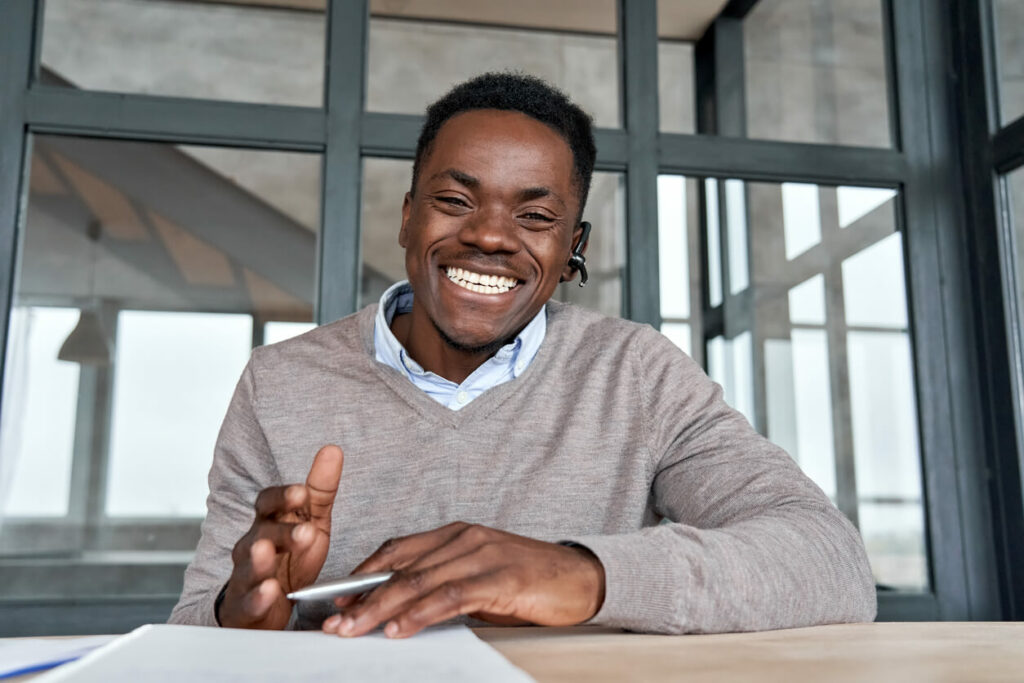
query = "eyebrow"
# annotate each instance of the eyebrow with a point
(538, 193)
(459, 177)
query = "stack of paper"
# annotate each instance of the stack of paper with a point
(25, 655)
(194, 653)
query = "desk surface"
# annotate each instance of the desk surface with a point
(919, 652)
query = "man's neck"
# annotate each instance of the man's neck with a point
(427, 348)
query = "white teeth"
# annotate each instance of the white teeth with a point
(480, 283)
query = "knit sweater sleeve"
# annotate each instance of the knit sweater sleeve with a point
(750, 542)
(242, 467)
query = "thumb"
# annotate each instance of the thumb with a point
(323, 479)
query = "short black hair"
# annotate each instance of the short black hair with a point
(514, 91)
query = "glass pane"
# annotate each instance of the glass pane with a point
(730, 363)
(385, 182)
(679, 334)
(676, 113)
(798, 390)
(679, 262)
(1009, 35)
(277, 331)
(38, 430)
(807, 302)
(161, 445)
(873, 285)
(856, 202)
(801, 217)
(680, 26)
(713, 235)
(829, 328)
(606, 255)
(894, 536)
(816, 72)
(884, 416)
(417, 52)
(1015, 188)
(142, 267)
(227, 51)
(673, 246)
(736, 222)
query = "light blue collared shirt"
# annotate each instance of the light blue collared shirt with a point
(508, 363)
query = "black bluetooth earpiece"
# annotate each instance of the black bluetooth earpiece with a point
(576, 259)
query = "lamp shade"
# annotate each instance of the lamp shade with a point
(88, 343)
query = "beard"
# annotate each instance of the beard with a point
(488, 349)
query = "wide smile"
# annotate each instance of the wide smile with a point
(481, 283)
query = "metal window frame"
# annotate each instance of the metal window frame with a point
(951, 299)
(988, 154)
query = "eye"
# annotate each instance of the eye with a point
(535, 216)
(452, 201)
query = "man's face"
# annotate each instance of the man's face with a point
(488, 232)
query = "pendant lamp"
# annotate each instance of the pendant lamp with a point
(88, 343)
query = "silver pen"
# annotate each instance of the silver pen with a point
(350, 585)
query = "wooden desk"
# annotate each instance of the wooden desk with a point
(912, 652)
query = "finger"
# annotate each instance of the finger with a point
(346, 601)
(248, 599)
(450, 541)
(481, 593)
(465, 541)
(277, 501)
(323, 479)
(398, 553)
(257, 565)
(262, 598)
(286, 536)
(407, 587)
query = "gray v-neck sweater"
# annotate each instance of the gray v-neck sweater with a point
(610, 430)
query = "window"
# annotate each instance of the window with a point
(815, 349)
(229, 51)
(38, 433)
(186, 203)
(1015, 192)
(417, 53)
(147, 272)
(679, 263)
(1009, 44)
(816, 72)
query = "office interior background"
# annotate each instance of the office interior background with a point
(822, 201)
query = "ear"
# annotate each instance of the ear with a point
(403, 237)
(569, 274)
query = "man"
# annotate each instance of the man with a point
(519, 452)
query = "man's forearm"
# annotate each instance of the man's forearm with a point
(796, 566)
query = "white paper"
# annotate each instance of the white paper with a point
(27, 654)
(157, 653)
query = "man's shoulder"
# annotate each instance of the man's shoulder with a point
(342, 341)
(586, 325)
(596, 340)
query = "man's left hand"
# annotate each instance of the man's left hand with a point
(470, 569)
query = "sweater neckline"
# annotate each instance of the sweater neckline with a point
(432, 411)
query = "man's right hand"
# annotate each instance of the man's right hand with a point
(285, 548)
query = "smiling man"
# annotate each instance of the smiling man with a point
(508, 457)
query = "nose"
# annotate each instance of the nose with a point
(491, 232)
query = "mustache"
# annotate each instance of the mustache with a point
(472, 257)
